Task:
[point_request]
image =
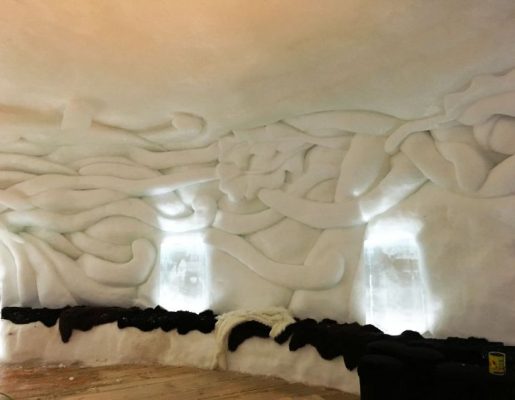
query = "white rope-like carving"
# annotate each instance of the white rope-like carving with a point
(84, 206)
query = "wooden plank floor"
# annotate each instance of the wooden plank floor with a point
(151, 382)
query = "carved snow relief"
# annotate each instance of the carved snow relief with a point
(283, 209)
(86, 207)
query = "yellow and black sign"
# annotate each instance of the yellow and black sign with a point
(497, 363)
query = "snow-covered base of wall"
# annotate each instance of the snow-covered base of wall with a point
(106, 345)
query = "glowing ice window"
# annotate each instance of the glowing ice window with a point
(396, 295)
(183, 273)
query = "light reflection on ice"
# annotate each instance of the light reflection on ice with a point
(183, 273)
(396, 292)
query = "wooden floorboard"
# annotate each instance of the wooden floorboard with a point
(151, 382)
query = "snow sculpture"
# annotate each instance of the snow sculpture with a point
(57, 243)
(334, 172)
(89, 214)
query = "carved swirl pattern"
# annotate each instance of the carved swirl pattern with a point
(84, 207)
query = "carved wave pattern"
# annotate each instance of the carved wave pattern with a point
(84, 206)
